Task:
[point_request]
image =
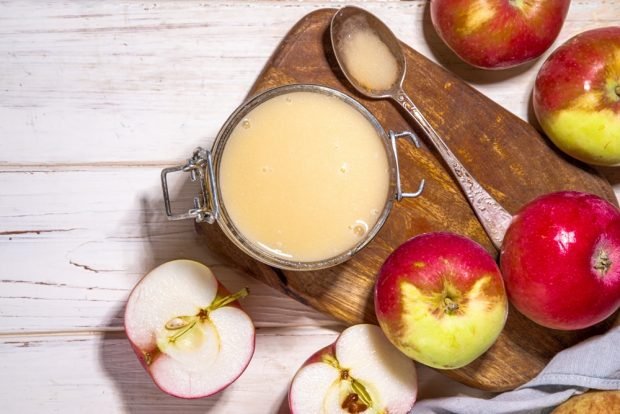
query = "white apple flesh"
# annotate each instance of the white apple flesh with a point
(187, 331)
(361, 372)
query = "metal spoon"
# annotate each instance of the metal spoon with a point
(494, 218)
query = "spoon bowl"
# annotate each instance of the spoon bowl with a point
(344, 24)
(368, 53)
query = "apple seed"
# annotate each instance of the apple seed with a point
(352, 405)
(176, 323)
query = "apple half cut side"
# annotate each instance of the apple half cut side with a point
(360, 372)
(187, 330)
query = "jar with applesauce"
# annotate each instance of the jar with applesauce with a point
(300, 177)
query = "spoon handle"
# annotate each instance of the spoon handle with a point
(493, 217)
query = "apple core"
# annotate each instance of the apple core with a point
(187, 331)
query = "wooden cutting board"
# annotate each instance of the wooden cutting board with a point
(509, 157)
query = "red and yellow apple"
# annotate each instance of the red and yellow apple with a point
(360, 373)
(561, 260)
(440, 299)
(187, 330)
(498, 34)
(577, 96)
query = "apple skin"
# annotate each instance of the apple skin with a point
(360, 362)
(577, 96)
(317, 357)
(498, 34)
(548, 258)
(418, 287)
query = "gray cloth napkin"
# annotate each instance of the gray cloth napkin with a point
(591, 364)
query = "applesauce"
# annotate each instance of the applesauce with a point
(368, 59)
(304, 175)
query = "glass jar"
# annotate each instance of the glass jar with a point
(210, 207)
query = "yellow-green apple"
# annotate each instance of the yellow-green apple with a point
(440, 299)
(561, 260)
(577, 96)
(360, 372)
(498, 34)
(187, 330)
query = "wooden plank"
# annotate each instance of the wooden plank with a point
(104, 372)
(126, 82)
(74, 243)
(79, 373)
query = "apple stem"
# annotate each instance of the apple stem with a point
(603, 263)
(218, 303)
(451, 306)
(331, 360)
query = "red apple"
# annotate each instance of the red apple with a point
(561, 260)
(577, 96)
(440, 299)
(360, 373)
(187, 330)
(498, 34)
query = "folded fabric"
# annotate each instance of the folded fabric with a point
(591, 364)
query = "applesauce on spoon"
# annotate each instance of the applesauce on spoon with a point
(368, 59)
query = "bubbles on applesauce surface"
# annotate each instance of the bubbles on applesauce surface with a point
(360, 228)
(374, 212)
(266, 169)
(246, 124)
(344, 168)
(288, 100)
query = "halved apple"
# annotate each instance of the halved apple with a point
(187, 330)
(360, 372)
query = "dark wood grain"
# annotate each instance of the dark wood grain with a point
(507, 155)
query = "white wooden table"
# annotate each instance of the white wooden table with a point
(95, 99)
